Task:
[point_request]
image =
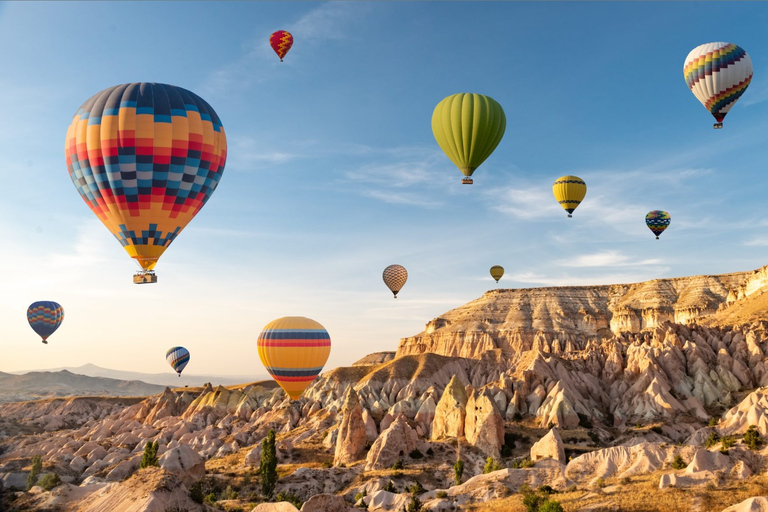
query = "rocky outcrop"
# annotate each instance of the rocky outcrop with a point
(185, 463)
(350, 443)
(752, 410)
(484, 427)
(549, 447)
(395, 443)
(450, 411)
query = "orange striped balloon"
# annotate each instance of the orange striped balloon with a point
(294, 350)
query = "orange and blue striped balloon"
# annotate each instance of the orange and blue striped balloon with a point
(45, 317)
(294, 350)
(177, 357)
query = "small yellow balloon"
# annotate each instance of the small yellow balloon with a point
(497, 271)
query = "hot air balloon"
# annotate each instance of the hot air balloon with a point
(281, 41)
(395, 277)
(177, 357)
(45, 317)
(145, 157)
(294, 350)
(718, 74)
(657, 221)
(468, 127)
(497, 271)
(569, 192)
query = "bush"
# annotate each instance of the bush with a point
(34, 474)
(390, 487)
(584, 420)
(50, 481)
(625, 481)
(229, 494)
(594, 437)
(712, 440)
(398, 464)
(416, 488)
(327, 464)
(290, 498)
(416, 454)
(679, 463)
(458, 471)
(600, 483)
(149, 457)
(728, 442)
(531, 500)
(551, 506)
(490, 466)
(713, 421)
(752, 438)
(657, 429)
(414, 505)
(546, 490)
(522, 463)
(441, 494)
(517, 417)
(361, 495)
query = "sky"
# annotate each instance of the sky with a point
(333, 172)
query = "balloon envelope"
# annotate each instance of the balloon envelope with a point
(45, 317)
(657, 221)
(468, 127)
(281, 41)
(718, 74)
(569, 192)
(177, 357)
(294, 350)
(497, 272)
(145, 157)
(395, 277)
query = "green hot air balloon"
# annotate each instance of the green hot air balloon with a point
(497, 272)
(468, 127)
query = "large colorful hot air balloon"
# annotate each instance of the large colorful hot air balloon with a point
(657, 221)
(468, 127)
(294, 350)
(177, 357)
(281, 41)
(497, 272)
(145, 157)
(718, 74)
(45, 317)
(569, 192)
(395, 277)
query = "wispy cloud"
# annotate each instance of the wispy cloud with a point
(537, 279)
(605, 259)
(757, 93)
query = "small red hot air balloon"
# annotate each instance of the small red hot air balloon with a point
(281, 41)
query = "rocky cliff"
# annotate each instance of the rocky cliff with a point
(513, 319)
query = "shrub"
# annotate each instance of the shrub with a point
(551, 425)
(229, 494)
(490, 466)
(390, 487)
(290, 498)
(679, 463)
(728, 442)
(327, 464)
(517, 417)
(361, 495)
(752, 438)
(414, 505)
(712, 440)
(416, 488)
(34, 474)
(713, 421)
(584, 420)
(210, 499)
(594, 437)
(522, 463)
(657, 429)
(398, 464)
(531, 500)
(149, 457)
(600, 483)
(50, 481)
(546, 490)
(196, 492)
(268, 467)
(458, 471)
(416, 454)
(441, 494)
(625, 481)
(551, 506)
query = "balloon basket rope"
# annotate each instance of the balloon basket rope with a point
(467, 181)
(145, 277)
(717, 126)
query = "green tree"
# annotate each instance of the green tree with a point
(49, 481)
(490, 466)
(414, 505)
(679, 463)
(752, 438)
(34, 474)
(149, 457)
(458, 470)
(268, 468)
(551, 506)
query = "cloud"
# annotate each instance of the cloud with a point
(605, 259)
(595, 280)
(329, 21)
(757, 93)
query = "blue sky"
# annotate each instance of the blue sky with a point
(333, 172)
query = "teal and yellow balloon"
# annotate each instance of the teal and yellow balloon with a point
(569, 191)
(497, 272)
(657, 221)
(468, 127)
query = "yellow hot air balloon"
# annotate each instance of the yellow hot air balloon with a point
(294, 350)
(569, 192)
(497, 271)
(468, 127)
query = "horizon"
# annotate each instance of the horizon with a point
(333, 172)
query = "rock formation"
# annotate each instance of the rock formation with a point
(484, 426)
(395, 443)
(450, 411)
(549, 447)
(350, 443)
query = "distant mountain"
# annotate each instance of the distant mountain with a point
(37, 385)
(161, 379)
